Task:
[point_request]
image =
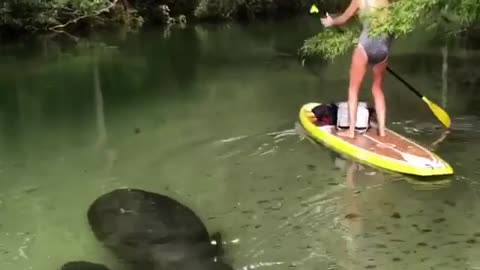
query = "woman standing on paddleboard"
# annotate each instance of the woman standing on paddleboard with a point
(370, 50)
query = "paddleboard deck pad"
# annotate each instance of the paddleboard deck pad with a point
(392, 152)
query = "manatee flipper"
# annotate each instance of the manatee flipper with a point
(217, 241)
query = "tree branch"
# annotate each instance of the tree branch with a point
(53, 28)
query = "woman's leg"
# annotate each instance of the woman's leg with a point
(378, 96)
(358, 69)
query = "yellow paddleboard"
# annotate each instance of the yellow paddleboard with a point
(393, 152)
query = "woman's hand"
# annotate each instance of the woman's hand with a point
(327, 21)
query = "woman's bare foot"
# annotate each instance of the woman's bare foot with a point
(381, 132)
(347, 133)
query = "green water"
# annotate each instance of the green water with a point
(208, 115)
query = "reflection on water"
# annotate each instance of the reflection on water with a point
(209, 117)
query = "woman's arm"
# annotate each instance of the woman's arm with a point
(342, 19)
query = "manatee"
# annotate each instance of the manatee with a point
(152, 231)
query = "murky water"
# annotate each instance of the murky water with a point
(208, 115)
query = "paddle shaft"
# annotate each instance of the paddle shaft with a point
(404, 82)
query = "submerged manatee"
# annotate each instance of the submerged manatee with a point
(83, 265)
(153, 231)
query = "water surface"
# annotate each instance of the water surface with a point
(208, 115)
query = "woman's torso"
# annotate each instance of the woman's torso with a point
(368, 6)
(378, 47)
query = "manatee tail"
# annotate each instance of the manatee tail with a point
(216, 238)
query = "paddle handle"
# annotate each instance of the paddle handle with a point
(404, 82)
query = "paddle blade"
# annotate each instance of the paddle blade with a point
(438, 112)
(314, 9)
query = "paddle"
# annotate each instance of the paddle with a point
(437, 110)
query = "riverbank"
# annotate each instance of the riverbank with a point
(77, 21)
(20, 18)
